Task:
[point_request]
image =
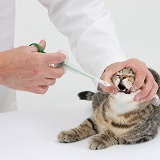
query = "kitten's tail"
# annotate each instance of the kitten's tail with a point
(86, 95)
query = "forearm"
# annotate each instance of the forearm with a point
(91, 32)
(1, 67)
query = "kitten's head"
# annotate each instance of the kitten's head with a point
(123, 80)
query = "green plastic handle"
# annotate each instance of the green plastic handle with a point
(40, 49)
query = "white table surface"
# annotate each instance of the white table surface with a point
(32, 135)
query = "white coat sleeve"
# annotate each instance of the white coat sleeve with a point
(90, 30)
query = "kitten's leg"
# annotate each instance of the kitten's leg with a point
(103, 140)
(98, 99)
(85, 129)
(136, 137)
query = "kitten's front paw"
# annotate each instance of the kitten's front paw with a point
(67, 136)
(96, 143)
(101, 141)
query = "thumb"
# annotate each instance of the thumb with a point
(110, 89)
(42, 43)
(107, 76)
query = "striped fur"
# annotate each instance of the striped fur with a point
(117, 119)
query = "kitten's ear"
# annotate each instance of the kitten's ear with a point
(155, 101)
(99, 88)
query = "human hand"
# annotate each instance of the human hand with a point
(142, 74)
(24, 68)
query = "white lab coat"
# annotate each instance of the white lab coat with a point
(7, 17)
(86, 23)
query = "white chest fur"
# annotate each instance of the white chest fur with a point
(122, 103)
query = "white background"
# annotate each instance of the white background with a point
(32, 135)
(138, 29)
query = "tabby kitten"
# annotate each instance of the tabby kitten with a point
(117, 119)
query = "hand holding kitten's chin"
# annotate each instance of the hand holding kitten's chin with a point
(142, 74)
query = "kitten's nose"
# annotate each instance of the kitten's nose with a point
(121, 86)
(122, 77)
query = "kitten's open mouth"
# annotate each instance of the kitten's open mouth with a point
(123, 89)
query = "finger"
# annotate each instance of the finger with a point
(111, 89)
(53, 58)
(54, 72)
(151, 94)
(42, 43)
(50, 81)
(47, 82)
(139, 80)
(41, 89)
(144, 92)
(147, 87)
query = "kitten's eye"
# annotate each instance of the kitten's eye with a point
(131, 76)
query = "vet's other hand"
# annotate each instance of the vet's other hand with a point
(24, 68)
(142, 74)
